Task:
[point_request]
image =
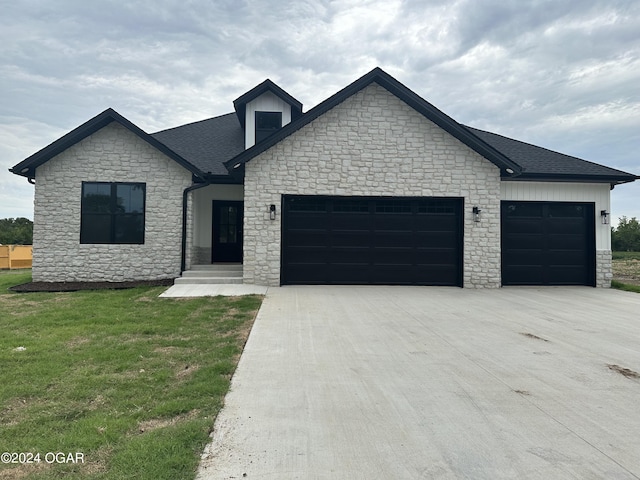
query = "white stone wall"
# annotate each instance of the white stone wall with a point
(372, 144)
(113, 154)
(604, 268)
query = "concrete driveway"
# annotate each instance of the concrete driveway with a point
(424, 382)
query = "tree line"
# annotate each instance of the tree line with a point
(16, 231)
(626, 237)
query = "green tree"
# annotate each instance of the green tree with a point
(626, 238)
(16, 231)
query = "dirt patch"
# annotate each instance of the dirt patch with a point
(76, 286)
(22, 471)
(187, 370)
(535, 337)
(624, 371)
(626, 271)
(77, 341)
(154, 424)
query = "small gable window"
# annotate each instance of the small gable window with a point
(266, 124)
(112, 213)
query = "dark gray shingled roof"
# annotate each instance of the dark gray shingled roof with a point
(539, 162)
(206, 144)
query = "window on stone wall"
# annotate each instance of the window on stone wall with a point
(112, 213)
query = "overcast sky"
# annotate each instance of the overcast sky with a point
(562, 74)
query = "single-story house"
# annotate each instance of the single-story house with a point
(372, 186)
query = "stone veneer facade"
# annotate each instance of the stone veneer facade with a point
(112, 154)
(372, 144)
(604, 268)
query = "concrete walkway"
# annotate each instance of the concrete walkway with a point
(435, 383)
(212, 290)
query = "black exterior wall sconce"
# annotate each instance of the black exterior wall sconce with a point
(604, 216)
(476, 214)
(272, 212)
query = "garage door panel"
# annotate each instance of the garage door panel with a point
(308, 238)
(526, 226)
(568, 275)
(566, 242)
(548, 243)
(435, 240)
(307, 255)
(435, 256)
(313, 274)
(564, 226)
(349, 222)
(431, 223)
(525, 241)
(360, 255)
(396, 238)
(349, 238)
(348, 273)
(372, 240)
(569, 258)
(530, 257)
(525, 275)
(392, 222)
(392, 256)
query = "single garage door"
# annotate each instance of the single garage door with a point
(371, 240)
(548, 243)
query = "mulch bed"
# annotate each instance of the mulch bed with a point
(75, 286)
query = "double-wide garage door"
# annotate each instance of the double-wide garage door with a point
(548, 243)
(372, 240)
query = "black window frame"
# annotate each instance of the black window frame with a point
(111, 218)
(263, 133)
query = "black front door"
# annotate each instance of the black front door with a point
(227, 231)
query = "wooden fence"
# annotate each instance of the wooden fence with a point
(15, 256)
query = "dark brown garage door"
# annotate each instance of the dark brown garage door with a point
(371, 240)
(548, 243)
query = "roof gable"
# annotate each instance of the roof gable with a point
(240, 103)
(27, 168)
(386, 81)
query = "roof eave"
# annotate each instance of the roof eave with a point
(573, 178)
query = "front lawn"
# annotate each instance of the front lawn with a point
(129, 381)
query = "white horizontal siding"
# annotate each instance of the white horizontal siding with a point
(566, 192)
(267, 102)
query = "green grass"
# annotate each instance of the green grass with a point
(625, 255)
(625, 286)
(132, 381)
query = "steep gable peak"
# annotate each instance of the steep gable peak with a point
(265, 109)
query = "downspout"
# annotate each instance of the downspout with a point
(185, 193)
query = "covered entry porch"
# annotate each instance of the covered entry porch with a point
(214, 235)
